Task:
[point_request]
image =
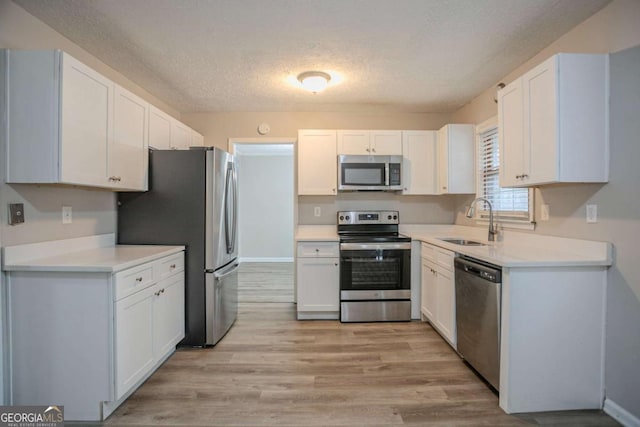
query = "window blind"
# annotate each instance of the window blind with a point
(508, 203)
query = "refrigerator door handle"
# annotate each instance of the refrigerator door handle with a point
(227, 232)
(235, 209)
(227, 271)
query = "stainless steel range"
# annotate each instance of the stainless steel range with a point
(375, 267)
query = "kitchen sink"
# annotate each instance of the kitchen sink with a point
(463, 242)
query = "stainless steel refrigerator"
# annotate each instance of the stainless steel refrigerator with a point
(192, 201)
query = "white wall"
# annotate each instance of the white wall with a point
(614, 28)
(265, 202)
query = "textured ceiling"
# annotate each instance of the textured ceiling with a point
(385, 55)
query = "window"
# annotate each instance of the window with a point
(511, 205)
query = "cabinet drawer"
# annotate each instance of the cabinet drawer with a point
(445, 258)
(428, 252)
(135, 279)
(168, 266)
(318, 249)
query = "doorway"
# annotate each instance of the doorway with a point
(266, 203)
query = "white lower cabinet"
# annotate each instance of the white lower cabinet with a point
(318, 280)
(149, 324)
(134, 339)
(438, 296)
(87, 340)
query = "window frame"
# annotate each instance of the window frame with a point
(481, 215)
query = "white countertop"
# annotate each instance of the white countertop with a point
(93, 254)
(516, 249)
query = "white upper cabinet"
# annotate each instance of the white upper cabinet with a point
(159, 129)
(553, 122)
(128, 157)
(86, 123)
(167, 133)
(456, 154)
(317, 162)
(180, 135)
(197, 140)
(370, 142)
(419, 162)
(61, 126)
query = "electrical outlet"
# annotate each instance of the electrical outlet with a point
(16, 213)
(592, 214)
(317, 211)
(67, 217)
(544, 212)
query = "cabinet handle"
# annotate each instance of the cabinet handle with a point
(114, 178)
(162, 291)
(317, 250)
(172, 266)
(373, 149)
(333, 189)
(444, 188)
(335, 263)
(157, 293)
(525, 176)
(368, 150)
(138, 279)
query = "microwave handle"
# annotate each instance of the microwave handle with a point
(387, 171)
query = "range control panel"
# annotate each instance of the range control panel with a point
(368, 217)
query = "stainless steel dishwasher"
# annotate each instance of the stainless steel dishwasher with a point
(478, 293)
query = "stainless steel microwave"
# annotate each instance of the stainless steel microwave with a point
(369, 173)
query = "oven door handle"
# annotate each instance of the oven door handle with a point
(374, 246)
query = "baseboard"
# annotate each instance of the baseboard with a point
(620, 414)
(272, 259)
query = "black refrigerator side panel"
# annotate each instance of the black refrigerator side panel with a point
(173, 212)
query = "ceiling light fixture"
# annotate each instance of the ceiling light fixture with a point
(314, 81)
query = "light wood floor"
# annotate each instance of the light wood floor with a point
(265, 282)
(271, 370)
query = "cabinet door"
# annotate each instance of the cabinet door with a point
(511, 135)
(443, 161)
(428, 296)
(386, 142)
(134, 342)
(354, 142)
(317, 162)
(446, 310)
(419, 172)
(318, 282)
(197, 140)
(168, 315)
(180, 135)
(159, 129)
(128, 158)
(541, 123)
(86, 124)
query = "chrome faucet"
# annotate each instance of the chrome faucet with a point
(492, 230)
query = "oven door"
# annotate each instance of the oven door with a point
(370, 271)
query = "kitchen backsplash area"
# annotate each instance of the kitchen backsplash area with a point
(413, 209)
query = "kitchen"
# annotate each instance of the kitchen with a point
(610, 30)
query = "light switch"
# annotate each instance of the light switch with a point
(67, 217)
(592, 214)
(16, 213)
(317, 211)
